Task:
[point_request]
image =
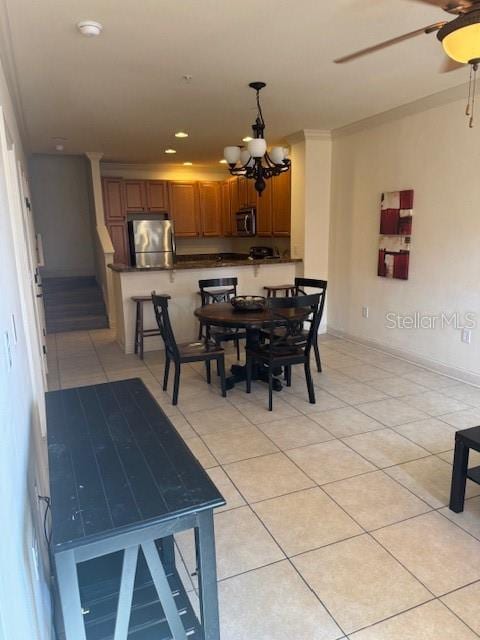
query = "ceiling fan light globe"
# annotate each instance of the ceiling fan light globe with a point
(246, 159)
(231, 154)
(463, 45)
(257, 147)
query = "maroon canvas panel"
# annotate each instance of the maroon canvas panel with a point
(382, 269)
(406, 199)
(400, 266)
(389, 221)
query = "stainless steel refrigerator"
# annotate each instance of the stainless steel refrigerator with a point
(152, 242)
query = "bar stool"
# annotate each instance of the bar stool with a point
(289, 289)
(464, 441)
(140, 332)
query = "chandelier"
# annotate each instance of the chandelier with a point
(255, 162)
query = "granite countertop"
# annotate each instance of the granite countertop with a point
(204, 262)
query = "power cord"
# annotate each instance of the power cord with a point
(48, 539)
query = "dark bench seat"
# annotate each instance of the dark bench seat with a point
(122, 483)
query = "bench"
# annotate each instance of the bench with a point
(122, 483)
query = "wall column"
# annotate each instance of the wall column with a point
(104, 251)
(311, 155)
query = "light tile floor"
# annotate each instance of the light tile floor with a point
(336, 523)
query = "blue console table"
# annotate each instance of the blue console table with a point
(122, 483)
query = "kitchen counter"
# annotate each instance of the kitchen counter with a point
(205, 263)
(181, 283)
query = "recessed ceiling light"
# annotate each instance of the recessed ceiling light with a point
(90, 28)
(170, 151)
(188, 164)
(181, 134)
(247, 138)
(223, 161)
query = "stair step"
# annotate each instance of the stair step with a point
(73, 304)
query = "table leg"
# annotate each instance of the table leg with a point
(459, 477)
(259, 372)
(207, 575)
(69, 592)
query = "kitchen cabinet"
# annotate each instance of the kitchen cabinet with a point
(281, 204)
(247, 196)
(118, 235)
(115, 217)
(157, 195)
(113, 199)
(184, 208)
(210, 208)
(227, 214)
(234, 202)
(135, 198)
(264, 211)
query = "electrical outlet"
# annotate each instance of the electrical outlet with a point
(365, 312)
(467, 336)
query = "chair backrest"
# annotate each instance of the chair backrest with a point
(160, 306)
(313, 283)
(292, 324)
(226, 289)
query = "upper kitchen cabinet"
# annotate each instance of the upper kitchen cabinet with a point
(157, 195)
(135, 197)
(227, 213)
(146, 195)
(264, 211)
(184, 208)
(113, 199)
(247, 196)
(210, 208)
(281, 204)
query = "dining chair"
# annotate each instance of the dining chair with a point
(290, 346)
(312, 283)
(203, 351)
(216, 290)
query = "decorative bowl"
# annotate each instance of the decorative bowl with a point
(248, 303)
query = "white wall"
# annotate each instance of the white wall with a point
(24, 604)
(436, 154)
(62, 206)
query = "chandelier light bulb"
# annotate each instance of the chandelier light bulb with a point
(231, 154)
(246, 158)
(277, 154)
(257, 147)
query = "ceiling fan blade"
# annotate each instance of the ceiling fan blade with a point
(388, 43)
(450, 65)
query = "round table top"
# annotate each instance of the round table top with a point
(222, 314)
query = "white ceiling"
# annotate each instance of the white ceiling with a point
(123, 93)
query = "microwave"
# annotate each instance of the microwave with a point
(245, 222)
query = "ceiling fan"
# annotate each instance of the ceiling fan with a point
(460, 39)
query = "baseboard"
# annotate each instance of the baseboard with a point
(426, 363)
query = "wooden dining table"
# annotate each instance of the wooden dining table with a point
(224, 315)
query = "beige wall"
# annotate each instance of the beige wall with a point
(437, 155)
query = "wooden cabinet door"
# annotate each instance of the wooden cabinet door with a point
(184, 208)
(118, 234)
(135, 197)
(281, 204)
(210, 208)
(157, 195)
(234, 202)
(264, 211)
(251, 193)
(113, 203)
(227, 218)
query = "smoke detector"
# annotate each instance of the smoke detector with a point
(89, 28)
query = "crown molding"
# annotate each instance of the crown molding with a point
(308, 134)
(432, 101)
(94, 155)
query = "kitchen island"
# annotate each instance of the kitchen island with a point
(181, 283)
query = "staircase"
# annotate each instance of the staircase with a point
(73, 304)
